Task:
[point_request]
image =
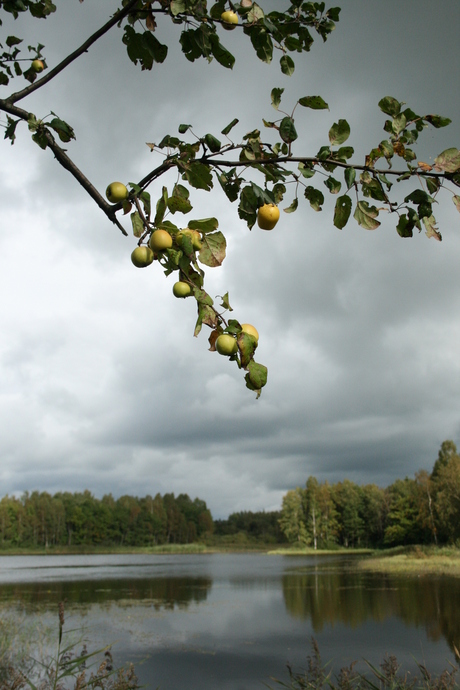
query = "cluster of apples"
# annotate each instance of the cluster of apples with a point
(159, 241)
(227, 345)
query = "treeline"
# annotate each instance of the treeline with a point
(263, 527)
(423, 510)
(72, 519)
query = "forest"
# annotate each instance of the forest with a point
(78, 519)
(422, 510)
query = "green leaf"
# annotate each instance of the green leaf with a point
(437, 121)
(372, 187)
(178, 7)
(365, 216)
(229, 127)
(222, 55)
(225, 304)
(314, 102)
(306, 170)
(419, 196)
(276, 97)
(247, 346)
(262, 44)
(206, 315)
(292, 207)
(63, 130)
(204, 225)
(10, 129)
(287, 130)
(184, 128)
(315, 197)
(178, 203)
(390, 106)
(162, 205)
(212, 143)
(399, 123)
(339, 132)
(333, 185)
(405, 226)
(152, 45)
(138, 226)
(433, 184)
(350, 176)
(214, 248)
(230, 187)
(256, 378)
(13, 41)
(342, 211)
(287, 65)
(247, 208)
(279, 190)
(448, 160)
(344, 153)
(198, 174)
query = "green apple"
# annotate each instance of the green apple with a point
(181, 289)
(116, 191)
(38, 65)
(160, 240)
(142, 256)
(226, 345)
(194, 235)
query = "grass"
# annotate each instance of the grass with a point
(387, 676)
(415, 560)
(65, 669)
(309, 551)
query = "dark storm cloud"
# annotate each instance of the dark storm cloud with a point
(104, 386)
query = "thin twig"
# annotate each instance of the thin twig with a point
(73, 56)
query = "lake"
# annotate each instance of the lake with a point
(232, 621)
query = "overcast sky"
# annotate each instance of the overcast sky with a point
(103, 386)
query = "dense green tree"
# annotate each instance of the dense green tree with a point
(347, 497)
(447, 499)
(447, 451)
(293, 519)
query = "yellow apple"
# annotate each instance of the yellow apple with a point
(229, 20)
(268, 216)
(181, 289)
(160, 240)
(226, 345)
(142, 256)
(250, 330)
(116, 191)
(38, 65)
(194, 235)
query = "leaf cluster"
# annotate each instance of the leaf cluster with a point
(286, 31)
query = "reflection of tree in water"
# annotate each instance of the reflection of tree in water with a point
(352, 598)
(161, 593)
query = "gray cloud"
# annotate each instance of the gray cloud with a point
(103, 385)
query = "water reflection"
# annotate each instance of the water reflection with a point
(232, 621)
(329, 597)
(161, 593)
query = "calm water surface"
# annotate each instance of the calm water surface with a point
(234, 620)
